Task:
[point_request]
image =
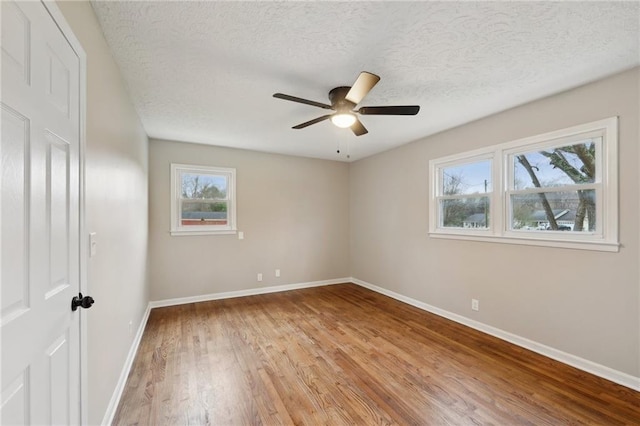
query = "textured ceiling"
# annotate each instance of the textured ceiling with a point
(205, 71)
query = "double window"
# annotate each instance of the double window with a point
(202, 200)
(557, 189)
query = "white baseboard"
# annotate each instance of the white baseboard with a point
(566, 358)
(616, 376)
(122, 380)
(242, 293)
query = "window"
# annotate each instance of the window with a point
(202, 200)
(463, 194)
(557, 189)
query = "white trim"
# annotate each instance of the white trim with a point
(176, 229)
(637, 301)
(196, 233)
(57, 15)
(128, 364)
(605, 238)
(600, 370)
(243, 293)
(545, 189)
(638, 206)
(126, 368)
(577, 362)
(530, 241)
(609, 124)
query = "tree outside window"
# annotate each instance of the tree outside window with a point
(203, 200)
(557, 189)
(559, 183)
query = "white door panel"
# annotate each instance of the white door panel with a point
(15, 409)
(40, 212)
(15, 43)
(15, 180)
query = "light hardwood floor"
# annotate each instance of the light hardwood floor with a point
(342, 354)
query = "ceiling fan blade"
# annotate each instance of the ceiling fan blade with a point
(300, 100)
(364, 83)
(358, 129)
(390, 110)
(310, 122)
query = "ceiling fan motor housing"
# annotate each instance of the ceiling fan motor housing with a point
(338, 101)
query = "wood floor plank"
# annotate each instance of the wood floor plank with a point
(342, 355)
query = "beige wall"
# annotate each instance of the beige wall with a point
(318, 220)
(116, 209)
(581, 302)
(294, 213)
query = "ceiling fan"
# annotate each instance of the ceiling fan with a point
(343, 101)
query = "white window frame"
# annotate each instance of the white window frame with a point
(437, 197)
(177, 229)
(605, 238)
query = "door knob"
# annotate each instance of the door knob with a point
(83, 302)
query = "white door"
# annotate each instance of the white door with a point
(40, 214)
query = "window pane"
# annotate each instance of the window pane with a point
(472, 212)
(571, 211)
(204, 214)
(204, 186)
(472, 178)
(565, 165)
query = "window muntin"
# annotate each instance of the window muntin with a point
(202, 200)
(576, 172)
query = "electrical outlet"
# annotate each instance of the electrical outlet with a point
(277, 272)
(475, 304)
(259, 277)
(240, 235)
(130, 328)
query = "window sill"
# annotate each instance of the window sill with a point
(175, 233)
(529, 241)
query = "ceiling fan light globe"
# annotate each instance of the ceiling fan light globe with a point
(343, 120)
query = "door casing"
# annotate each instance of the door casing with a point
(75, 44)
